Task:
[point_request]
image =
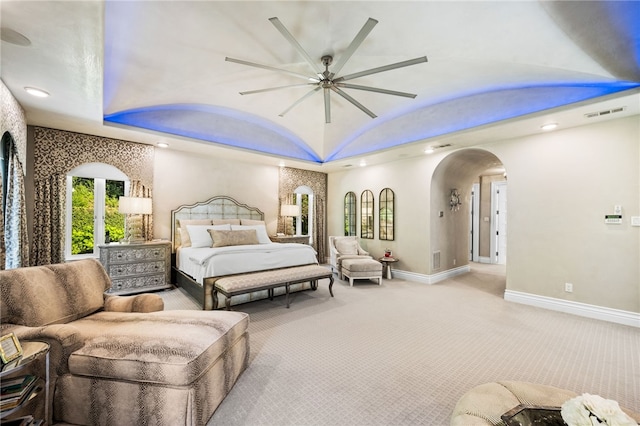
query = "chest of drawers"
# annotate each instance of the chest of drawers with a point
(136, 268)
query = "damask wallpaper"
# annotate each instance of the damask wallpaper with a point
(14, 121)
(290, 179)
(58, 152)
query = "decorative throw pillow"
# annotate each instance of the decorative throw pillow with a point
(185, 241)
(199, 235)
(346, 245)
(233, 238)
(261, 231)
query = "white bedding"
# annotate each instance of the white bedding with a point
(200, 263)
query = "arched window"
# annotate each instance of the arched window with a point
(366, 215)
(92, 217)
(386, 214)
(350, 214)
(303, 224)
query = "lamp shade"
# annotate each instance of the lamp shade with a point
(289, 210)
(135, 205)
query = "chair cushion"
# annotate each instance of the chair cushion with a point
(362, 265)
(168, 347)
(346, 245)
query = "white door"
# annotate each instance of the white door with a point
(499, 224)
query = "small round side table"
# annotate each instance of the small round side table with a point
(386, 265)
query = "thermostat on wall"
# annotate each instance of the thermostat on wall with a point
(613, 219)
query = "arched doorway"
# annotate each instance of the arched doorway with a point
(466, 223)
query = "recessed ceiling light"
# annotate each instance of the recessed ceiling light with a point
(429, 150)
(363, 163)
(549, 126)
(162, 145)
(36, 92)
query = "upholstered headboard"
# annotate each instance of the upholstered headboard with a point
(219, 207)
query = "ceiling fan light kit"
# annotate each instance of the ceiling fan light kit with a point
(328, 80)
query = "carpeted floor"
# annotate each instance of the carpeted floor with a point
(403, 353)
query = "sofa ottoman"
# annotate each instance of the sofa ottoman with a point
(362, 269)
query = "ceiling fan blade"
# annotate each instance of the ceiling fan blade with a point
(382, 69)
(270, 68)
(364, 32)
(251, 92)
(353, 101)
(283, 30)
(375, 89)
(300, 100)
(327, 106)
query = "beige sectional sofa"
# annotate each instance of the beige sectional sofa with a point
(122, 360)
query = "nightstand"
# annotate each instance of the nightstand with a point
(300, 239)
(32, 365)
(136, 268)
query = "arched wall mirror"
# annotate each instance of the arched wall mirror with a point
(350, 214)
(386, 214)
(366, 215)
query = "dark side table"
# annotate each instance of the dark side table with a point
(386, 265)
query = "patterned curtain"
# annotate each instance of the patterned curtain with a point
(319, 233)
(48, 221)
(137, 189)
(16, 242)
(3, 249)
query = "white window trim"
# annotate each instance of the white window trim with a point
(100, 173)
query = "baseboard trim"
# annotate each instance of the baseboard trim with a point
(483, 259)
(431, 279)
(576, 308)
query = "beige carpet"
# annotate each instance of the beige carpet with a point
(403, 353)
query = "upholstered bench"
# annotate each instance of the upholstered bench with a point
(234, 285)
(362, 269)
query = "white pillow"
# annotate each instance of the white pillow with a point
(200, 236)
(261, 231)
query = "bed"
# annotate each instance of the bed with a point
(241, 245)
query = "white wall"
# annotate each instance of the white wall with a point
(561, 184)
(185, 178)
(410, 180)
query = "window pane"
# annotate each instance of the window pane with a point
(114, 220)
(82, 215)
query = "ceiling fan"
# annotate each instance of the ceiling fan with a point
(328, 80)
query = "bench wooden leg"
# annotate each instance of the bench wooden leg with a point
(228, 303)
(287, 290)
(331, 285)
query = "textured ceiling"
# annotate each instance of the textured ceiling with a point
(160, 66)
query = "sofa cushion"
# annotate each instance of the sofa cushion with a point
(52, 294)
(168, 347)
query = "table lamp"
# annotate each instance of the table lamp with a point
(134, 208)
